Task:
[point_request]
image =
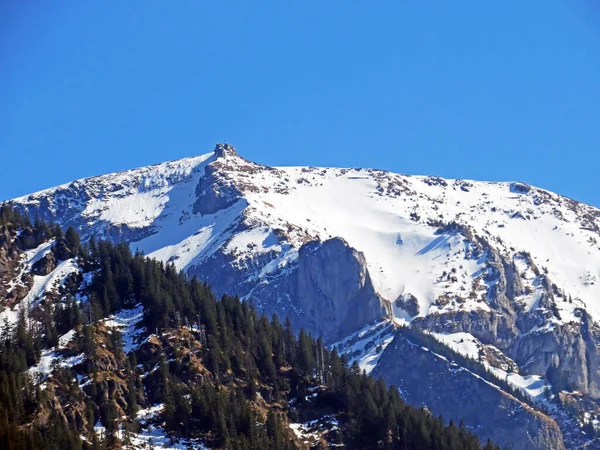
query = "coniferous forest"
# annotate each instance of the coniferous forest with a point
(224, 375)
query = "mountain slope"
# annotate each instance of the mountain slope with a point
(125, 352)
(512, 266)
(185, 211)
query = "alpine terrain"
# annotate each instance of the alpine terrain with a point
(480, 301)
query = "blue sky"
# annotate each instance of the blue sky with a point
(462, 89)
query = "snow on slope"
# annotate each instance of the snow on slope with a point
(137, 198)
(41, 284)
(126, 322)
(151, 434)
(366, 345)
(403, 257)
(533, 385)
(391, 218)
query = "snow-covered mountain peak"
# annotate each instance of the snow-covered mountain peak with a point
(190, 210)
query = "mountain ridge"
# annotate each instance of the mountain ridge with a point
(157, 179)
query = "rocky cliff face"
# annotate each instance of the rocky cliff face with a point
(327, 290)
(537, 339)
(430, 380)
(338, 298)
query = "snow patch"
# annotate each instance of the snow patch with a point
(126, 321)
(466, 344)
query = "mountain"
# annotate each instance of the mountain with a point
(113, 350)
(503, 275)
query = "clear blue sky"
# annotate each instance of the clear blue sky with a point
(463, 89)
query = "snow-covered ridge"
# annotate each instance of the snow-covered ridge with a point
(134, 198)
(393, 219)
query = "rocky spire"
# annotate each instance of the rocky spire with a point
(223, 150)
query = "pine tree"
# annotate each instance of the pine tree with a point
(72, 241)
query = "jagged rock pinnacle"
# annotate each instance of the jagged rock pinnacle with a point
(223, 150)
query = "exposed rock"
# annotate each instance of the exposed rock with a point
(45, 265)
(334, 288)
(520, 188)
(426, 379)
(20, 291)
(573, 352)
(26, 239)
(329, 289)
(495, 358)
(6, 236)
(62, 251)
(523, 336)
(408, 303)
(222, 150)
(216, 192)
(7, 266)
(488, 327)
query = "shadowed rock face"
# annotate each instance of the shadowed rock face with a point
(328, 291)
(215, 193)
(223, 149)
(45, 265)
(426, 379)
(334, 288)
(226, 178)
(408, 303)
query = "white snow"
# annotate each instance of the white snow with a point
(303, 433)
(126, 321)
(49, 359)
(405, 256)
(466, 344)
(41, 284)
(391, 218)
(154, 434)
(64, 340)
(309, 432)
(366, 346)
(135, 197)
(534, 385)
(463, 343)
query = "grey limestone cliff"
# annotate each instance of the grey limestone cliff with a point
(430, 380)
(328, 290)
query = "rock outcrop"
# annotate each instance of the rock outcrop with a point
(334, 289)
(8, 261)
(408, 303)
(44, 265)
(427, 379)
(328, 290)
(536, 339)
(216, 192)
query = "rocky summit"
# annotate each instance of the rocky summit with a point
(479, 300)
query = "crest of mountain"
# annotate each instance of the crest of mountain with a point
(502, 273)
